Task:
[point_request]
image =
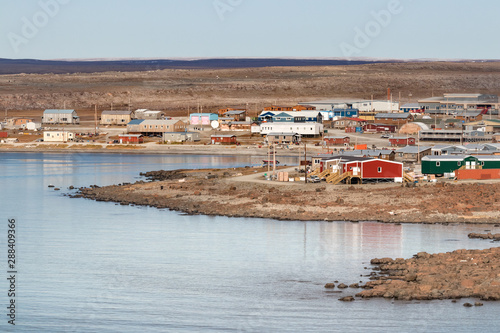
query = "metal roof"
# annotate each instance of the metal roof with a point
(392, 115)
(410, 106)
(412, 149)
(57, 111)
(284, 133)
(466, 113)
(445, 157)
(235, 112)
(160, 121)
(135, 122)
(117, 113)
(222, 135)
(131, 135)
(283, 114)
(367, 152)
(346, 158)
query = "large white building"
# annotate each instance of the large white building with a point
(304, 129)
(361, 105)
(58, 136)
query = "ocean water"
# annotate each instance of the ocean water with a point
(85, 266)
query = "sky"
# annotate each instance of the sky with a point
(395, 29)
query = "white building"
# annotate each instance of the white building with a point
(33, 126)
(57, 136)
(304, 129)
(148, 114)
(360, 104)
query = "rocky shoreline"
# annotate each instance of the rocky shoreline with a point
(452, 275)
(243, 192)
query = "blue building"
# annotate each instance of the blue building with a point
(410, 107)
(291, 117)
(266, 116)
(345, 113)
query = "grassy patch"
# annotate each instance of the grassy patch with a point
(86, 147)
(55, 146)
(125, 147)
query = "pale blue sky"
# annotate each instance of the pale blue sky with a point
(448, 29)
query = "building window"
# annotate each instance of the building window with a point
(458, 163)
(482, 163)
(379, 169)
(438, 163)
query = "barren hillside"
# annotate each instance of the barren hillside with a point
(176, 90)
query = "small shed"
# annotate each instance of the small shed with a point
(402, 141)
(224, 139)
(131, 138)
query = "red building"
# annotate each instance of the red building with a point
(227, 139)
(379, 128)
(368, 168)
(336, 140)
(402, 141)
(4, 135)
(131, 138)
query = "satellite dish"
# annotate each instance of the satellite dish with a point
(214, 124)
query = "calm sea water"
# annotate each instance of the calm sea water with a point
(86, 266)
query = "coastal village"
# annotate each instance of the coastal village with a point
(337, 141)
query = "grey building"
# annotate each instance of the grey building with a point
(52, 116)
(412, 153)
(181, 136)
(449, 103)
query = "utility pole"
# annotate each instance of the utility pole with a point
(274, 160)
(268, 156)
(305, 162)
(418, 147)
(95, 118)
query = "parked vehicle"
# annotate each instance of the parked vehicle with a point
(314, 179)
